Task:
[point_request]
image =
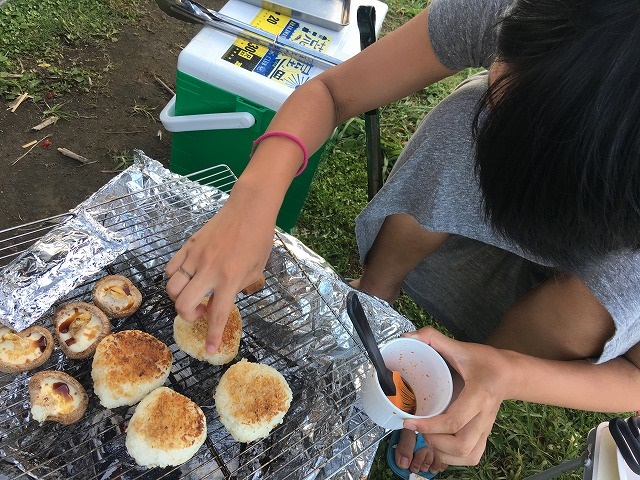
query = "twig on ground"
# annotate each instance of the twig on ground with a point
(30, 144)
(164, 85)
(33, 145)
(13, 106)
(75, 156)
(45, 123)
(123, 132)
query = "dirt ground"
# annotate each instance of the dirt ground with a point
(103, 124)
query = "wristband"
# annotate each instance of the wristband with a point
(290, 136)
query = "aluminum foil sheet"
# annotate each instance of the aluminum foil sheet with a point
(297, 323)
(54, 266)
(96, 233)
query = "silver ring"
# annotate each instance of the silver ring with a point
(183, 271)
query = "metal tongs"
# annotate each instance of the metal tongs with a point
(626, 434)
(193, 12)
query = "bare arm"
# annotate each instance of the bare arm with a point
(555, 328)
(539, 354)
(382, 73)
(613, 386)
(231, 250)
(492, 375)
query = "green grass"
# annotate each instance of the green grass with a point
(47, 30)
(526, 438)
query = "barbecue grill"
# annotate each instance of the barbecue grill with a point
(296, 324)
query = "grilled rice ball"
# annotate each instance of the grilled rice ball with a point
(25, 350)
(127, 366)
(116, 296)
(255, 286)
(191, 336)
(166, 429)
(57, 396)
(252, 399)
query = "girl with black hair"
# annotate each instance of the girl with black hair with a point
(512, 216)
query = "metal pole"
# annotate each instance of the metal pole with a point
(584, 461)
(367, 28)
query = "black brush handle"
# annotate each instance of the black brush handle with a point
(361, 324)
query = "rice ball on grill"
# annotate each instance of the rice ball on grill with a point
(127, 365)
(191, 337)
(252, 399)
(166, 429)
(255, 286)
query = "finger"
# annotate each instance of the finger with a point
(189, 294)
(176, 284)
(444, 345)
(180, 278)
(218, 311)
(453, 351)
(464, 442)
(198, 312)
(470, 457)
(458, 415)
(177, 260)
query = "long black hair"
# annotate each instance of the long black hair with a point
(558, 132)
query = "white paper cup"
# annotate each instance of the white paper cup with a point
(423, 369)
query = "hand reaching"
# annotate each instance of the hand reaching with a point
(223, 257)
(481, 379)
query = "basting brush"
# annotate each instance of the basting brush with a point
(391, 382)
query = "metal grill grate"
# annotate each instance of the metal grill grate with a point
(281, 327)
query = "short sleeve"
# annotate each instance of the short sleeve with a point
(615, 282)
(463, 32)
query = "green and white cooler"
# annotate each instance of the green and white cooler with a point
(228, 90)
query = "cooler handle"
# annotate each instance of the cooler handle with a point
(204, 121)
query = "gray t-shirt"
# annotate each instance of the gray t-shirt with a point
(470, 281)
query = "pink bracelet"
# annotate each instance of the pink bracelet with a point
(290, 137)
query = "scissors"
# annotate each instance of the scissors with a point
(626, 434)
